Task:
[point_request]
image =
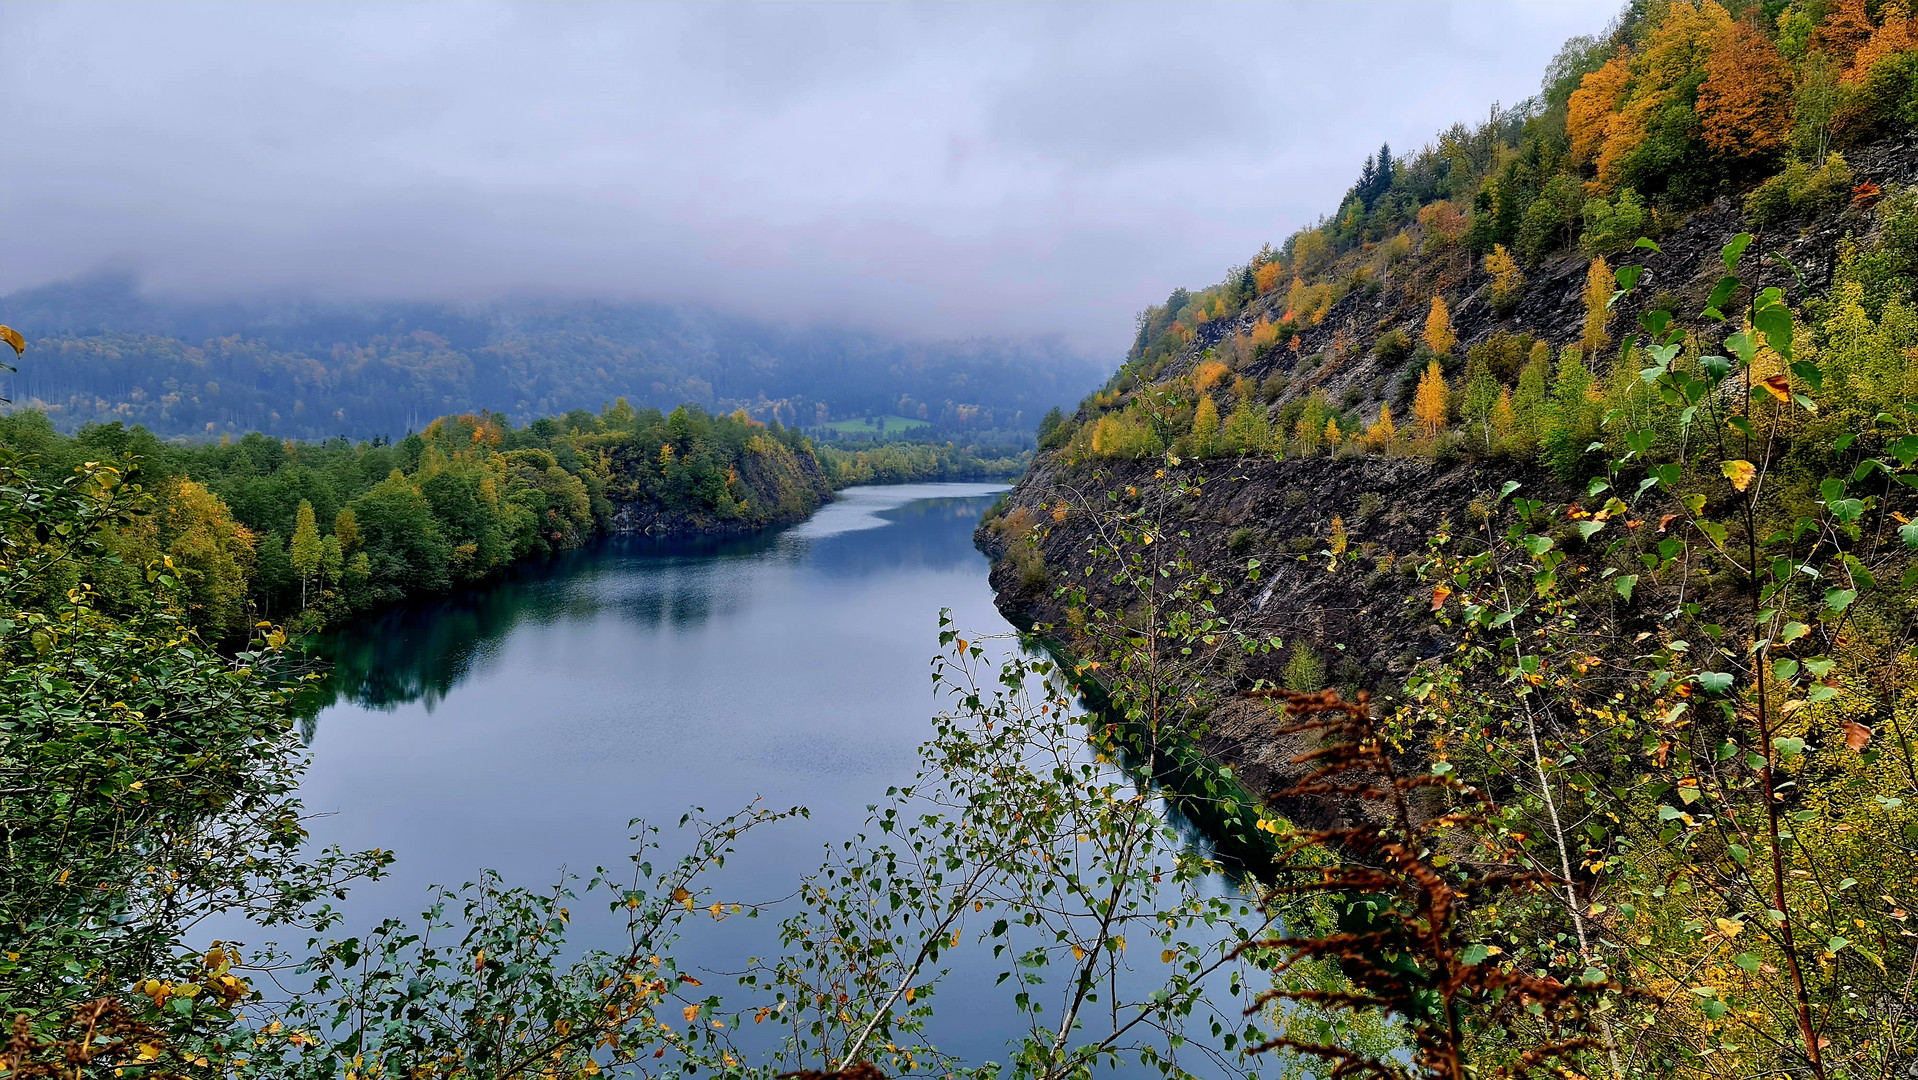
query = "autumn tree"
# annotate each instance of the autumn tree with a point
(1598, 298)
(1205, 426)
(1591, 110)
(1380, 435)
(1845, 29)
(1896, 33)
(1744, 104)
(1507, 280)
(308, 552)
(214, 555)
(346, 526)
(1438, 327)
(1267, 277)
(1430, 403)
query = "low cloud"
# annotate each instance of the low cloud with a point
(936, 170)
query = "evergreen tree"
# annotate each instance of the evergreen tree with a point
(307, 551)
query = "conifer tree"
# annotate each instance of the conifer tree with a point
(1529, 400)
(1507, 279)
(1438, 327)
(1205, 426)
(1382, 431)
(307, 551)
(1598, 297)
(1481, 396)
(1430, 403)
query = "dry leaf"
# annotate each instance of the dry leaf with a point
(1780, 388)
(1740, 472)
(1857, 735)
(690, 1012)
(1665, 521)
(12, 337)
(1439, 593)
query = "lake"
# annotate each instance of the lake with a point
(519, 727)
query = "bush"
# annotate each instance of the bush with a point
(1799, 191)
(1240, 541)
(1393, 346)
(1615, 225)
(1304, 671)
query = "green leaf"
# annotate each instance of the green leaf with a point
(1587, 529)
(1789, 748)
(1624, 585)
(1739, 854)
(1536, 544)
(1474, 954)
(1646, 242)
(1731, 253)
(1792, 632)
(1715, 682)
(1775, 323)
(1628, 276)
(1840, 599)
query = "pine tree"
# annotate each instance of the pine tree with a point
(307, 550)
(1438, 327)
(1430, 403)
(1598, 298)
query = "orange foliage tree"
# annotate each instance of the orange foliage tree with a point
(1438, 327)
(1896, 33)
(1744, 104)
(1267, 277)
(1844, 31)
(1593, 105)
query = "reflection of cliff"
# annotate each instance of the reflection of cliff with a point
(420, 651)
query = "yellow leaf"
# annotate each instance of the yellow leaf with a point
(479, 960)
(12, 337)
(911, 992)
(1729, 927)
(1078, 953)
(690, 1012)
(681, 896)
(1740, 473)
(715, 910)
(1168, 956)
(1779, 386)
(148, 1051)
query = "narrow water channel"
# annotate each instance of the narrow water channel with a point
(519, 727)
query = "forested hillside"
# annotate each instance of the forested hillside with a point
(103, 352)
(1581, 442)
(262, 528)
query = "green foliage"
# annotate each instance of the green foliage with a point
(1304, 670)
(146, 781)
(1613, 224)
(1800, 191)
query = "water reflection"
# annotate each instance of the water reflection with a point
(420, 652)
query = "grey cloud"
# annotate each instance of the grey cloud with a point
(940, 170)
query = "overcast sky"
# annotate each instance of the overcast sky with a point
(949, 170)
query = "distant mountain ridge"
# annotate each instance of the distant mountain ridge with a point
(102, 351)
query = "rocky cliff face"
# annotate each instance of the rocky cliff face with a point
(1365, 615)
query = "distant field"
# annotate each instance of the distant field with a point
(893, 426)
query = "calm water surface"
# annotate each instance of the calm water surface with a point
(520, 727)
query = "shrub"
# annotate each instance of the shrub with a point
(1393, 346)
(1615, 225)
(1304, 671)
(1240, 541)
(1799, 191)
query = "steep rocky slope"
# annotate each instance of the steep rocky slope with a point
(1366, 616)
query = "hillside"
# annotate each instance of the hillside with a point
(1613, 532)
(100, 350)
